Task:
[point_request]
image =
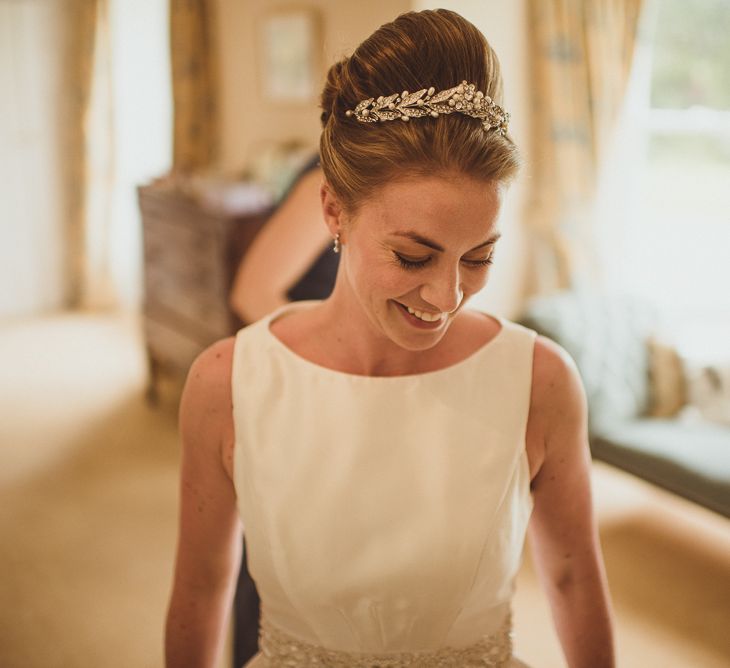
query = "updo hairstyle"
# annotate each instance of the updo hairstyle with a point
(418, 50)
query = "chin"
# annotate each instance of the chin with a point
(415, 346)
(415, 340)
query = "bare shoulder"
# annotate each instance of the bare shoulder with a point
(557, 388)
(206, 417)
(558, 410)
(304, 198)
(211, 369)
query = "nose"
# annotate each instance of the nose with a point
(443, 291)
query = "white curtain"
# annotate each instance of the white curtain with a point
(129, 142)
(31, 178)
(581, 55)
(86, 109)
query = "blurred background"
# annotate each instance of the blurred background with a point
(145, 146)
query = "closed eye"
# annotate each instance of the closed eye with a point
(417, 264)
(411, 264)
(481, 263)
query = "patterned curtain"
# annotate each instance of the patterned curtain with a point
(79, 31)
(580, 63)
(193, 58)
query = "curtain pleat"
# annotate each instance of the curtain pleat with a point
(80, 34)
(193, 59)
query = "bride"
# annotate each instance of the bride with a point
(386, 450)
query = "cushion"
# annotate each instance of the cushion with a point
(667, 384)
(606, 336)
(708, 389)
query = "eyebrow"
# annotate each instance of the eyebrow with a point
(424, 241)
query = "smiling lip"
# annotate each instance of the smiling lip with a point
(417, 322)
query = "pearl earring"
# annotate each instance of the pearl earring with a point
(336, 247)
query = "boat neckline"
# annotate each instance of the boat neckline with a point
(303, 361)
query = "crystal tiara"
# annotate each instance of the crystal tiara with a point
(464, 99)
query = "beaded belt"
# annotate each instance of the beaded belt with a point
(282, 650)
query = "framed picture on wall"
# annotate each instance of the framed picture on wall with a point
(289, 62)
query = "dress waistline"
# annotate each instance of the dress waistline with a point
(281, 650)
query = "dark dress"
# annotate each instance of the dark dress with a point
(317, 283)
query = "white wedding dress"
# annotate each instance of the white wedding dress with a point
(384, 517)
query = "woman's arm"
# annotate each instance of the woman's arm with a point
(562, 533)
(209, 539)
(287, 245)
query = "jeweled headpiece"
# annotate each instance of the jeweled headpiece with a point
(464, 99)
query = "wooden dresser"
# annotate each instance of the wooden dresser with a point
(191, 254)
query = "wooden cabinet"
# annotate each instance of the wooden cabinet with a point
(191, 254)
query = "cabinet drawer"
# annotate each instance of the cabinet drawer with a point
(171, 208)
(167, 235)
(181, 251)
(196, 295)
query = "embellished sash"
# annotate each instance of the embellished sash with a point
(281, 650)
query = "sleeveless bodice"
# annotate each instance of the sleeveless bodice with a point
(382, 514)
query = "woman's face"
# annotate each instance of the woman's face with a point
(424, 243)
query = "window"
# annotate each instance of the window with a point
(665, 228)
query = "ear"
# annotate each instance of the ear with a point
(331, 210)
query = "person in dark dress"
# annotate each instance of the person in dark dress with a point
(291, 258)
(282, 249)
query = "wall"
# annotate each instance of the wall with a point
(249, 123)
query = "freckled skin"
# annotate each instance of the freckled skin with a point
(457, 212)
(563, 534)
(562, 531)
(210, 531)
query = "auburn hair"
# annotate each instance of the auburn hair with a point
(418, 50)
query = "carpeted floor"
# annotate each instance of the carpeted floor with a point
(88, 482)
